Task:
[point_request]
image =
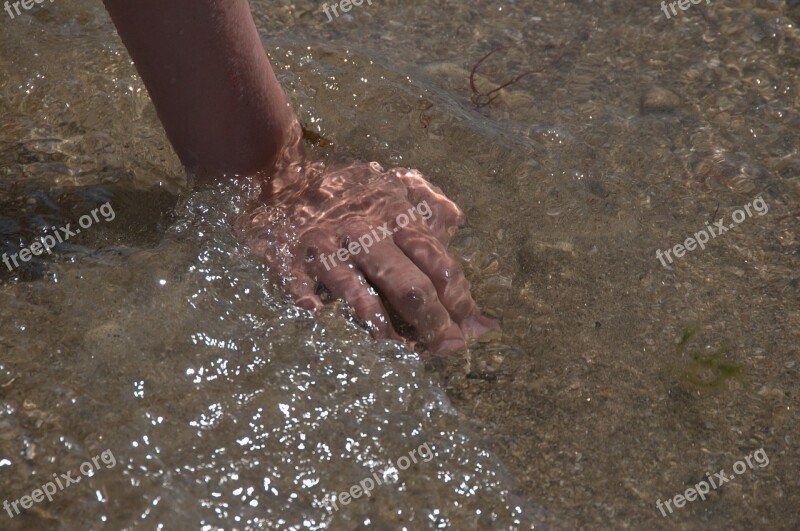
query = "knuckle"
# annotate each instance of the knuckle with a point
(417, 291)
(447, 267)
(352, 230)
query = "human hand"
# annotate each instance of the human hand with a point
(368, 236)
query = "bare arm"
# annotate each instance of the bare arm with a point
(210, 80)
(224, 112)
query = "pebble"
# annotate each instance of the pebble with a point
(659, 99)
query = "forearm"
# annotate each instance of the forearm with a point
(210, 80)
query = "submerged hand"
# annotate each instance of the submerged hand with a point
(369, 236)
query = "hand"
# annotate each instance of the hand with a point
(362, 233)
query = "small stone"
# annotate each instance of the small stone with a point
(492, 266)
(659, 99)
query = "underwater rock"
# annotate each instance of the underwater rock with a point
(659, 99)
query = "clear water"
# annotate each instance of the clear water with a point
(618, 381)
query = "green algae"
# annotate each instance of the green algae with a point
(707, 371)
(711, 371)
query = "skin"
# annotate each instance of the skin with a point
(226, 114)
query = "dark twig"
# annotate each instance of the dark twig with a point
(478, 98)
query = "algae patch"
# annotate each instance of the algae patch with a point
(707, 371)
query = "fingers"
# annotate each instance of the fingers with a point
(452, 287)
(445, 216)
(405, 259)
(412, 294)
(477, 325)
(304, 290)
(346, 283)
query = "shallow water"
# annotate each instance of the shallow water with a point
(617, 382)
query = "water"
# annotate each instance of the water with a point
(618, 382)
